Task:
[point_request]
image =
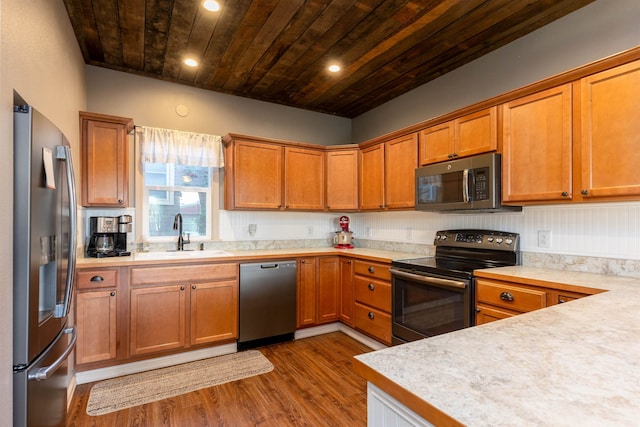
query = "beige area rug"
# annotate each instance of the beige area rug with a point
(137, 389)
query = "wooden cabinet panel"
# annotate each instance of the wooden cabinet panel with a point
(471, 134)
(610, 134)
(96, 323)
(373, 322)
(104, 160)
(158, 319)
(537, 144)
(214, 311)
(307, 291)
(328, 290)
(371, 185)
(400, 162)
(257, 175)
(303, 179)
(372, 292)
(486, 314)
(510, 297)
(95, 279)
(342, 180)
(372, 269)
(183, 274)
(346, 291)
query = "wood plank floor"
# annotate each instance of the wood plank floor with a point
(312, 384)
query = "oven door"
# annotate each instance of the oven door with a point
(428, 305)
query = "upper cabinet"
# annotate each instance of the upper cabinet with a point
(610, 134)
(387, 174)
(342, 179)
(104, 160)
(264, 174)
(465, 136)
(536, 147)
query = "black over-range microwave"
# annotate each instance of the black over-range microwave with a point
(462, 185)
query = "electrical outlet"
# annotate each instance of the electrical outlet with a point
(544, 238)
(310, 230)
(252, 229)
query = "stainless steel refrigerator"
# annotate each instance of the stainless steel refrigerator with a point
(44, 248)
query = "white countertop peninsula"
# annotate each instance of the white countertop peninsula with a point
(567, 365)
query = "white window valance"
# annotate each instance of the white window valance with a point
(159, 145)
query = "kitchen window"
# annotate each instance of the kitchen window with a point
(175, 175)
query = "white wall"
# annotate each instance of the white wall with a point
(601, 29)
(152, 102)
(40, 59)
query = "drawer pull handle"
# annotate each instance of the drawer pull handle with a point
(371, 287)
(97, 279)
(371, 315)
(506, 296)
(371, 269)
(113, 294)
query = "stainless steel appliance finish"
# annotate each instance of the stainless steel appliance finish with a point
(44, 253)
(267, 303)
(463, 185)
(108, 236)
(435, 295)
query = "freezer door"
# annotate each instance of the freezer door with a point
(40, 391)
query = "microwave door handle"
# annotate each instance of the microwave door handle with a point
(465, 186)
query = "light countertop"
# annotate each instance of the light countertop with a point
(147, 258)
(572, 364)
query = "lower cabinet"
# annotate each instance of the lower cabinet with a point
(96, 305)
(372, 295)
(318, 290)
(497, 299)
(346, 291)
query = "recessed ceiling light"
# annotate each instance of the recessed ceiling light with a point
(334, 68)
(211, 5)
(191, 62)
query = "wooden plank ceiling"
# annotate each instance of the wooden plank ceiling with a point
(278, 50)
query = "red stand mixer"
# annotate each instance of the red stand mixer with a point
(343, 237)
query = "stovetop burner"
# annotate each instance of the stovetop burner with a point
(459, 252)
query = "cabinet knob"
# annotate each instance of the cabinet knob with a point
(478, 310)
(450, 156)
(97, 279)
(561, 301)
(120, 201)
(286, 207)
(193, 286)
(585, 192)
(381, 206)
(303, 261)
(182, 288)
(506, 296)
(371, 287)
(113, 293)
(565, 194)
(371, 269)
(348, 261)
(370, 315)
(455, 155)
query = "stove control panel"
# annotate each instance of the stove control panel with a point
(480, 239)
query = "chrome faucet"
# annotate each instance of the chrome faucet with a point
(177, 225)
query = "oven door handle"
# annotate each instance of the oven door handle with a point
(431, 280)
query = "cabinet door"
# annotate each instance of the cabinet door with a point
(537, 158)
(307, 291)
(303, 179)
(257, 175)
(328, 289)
(400, 162)
(105, 164)
(342, 180)
(158, 318)
(96, 323)
(214, 311)
(476, 133)
(436, 143)
(346, 291)
(486, 314)
(610, 116)
(372, 177)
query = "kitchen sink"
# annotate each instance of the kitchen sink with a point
(207, 253)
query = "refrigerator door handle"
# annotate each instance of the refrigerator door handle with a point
(62, 308)
(45, 372)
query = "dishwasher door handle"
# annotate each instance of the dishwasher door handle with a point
(268, 266)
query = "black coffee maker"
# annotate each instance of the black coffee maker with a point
(108, 236)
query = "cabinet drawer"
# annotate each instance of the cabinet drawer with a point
(511, 297)
(372, 322)
(486, 314)
(373, 292)
(92, 279)
(372, 269)
(183, 274)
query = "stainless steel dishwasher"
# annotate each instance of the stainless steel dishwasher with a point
(267, 303)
